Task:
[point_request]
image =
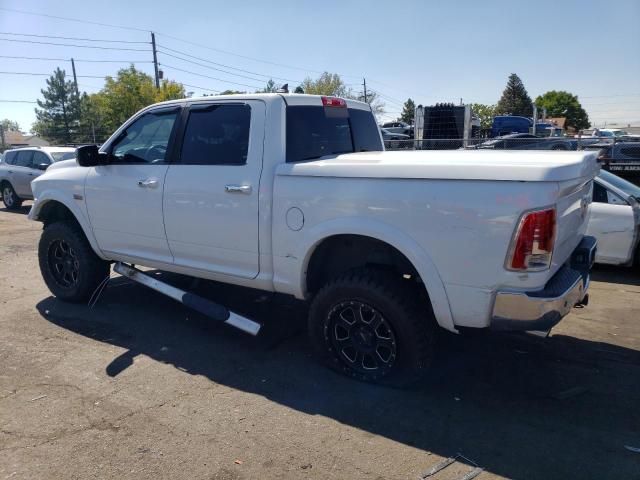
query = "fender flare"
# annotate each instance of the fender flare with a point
(406, 245)
(57, 196)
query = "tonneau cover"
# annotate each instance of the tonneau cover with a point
(530, 166)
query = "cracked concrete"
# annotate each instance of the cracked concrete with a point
(140, 387)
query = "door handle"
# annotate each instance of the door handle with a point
(148, 183)
(237, 189)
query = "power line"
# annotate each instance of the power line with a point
(48, 74)
(73, 45)
(73, 19)
(200, 88)
(168, 36)
(209, 67)
(207, 76)
(17, 101)
(70, 38)
(75, 59)
(248, 57)
(223, 65)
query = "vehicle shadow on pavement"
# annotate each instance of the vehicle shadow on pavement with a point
(615, 274)
(519, 406)
(24, 210)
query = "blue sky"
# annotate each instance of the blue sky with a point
(431, 51)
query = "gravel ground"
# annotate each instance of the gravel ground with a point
(141, 387)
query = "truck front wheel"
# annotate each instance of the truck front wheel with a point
(69, 266)
(369, 325)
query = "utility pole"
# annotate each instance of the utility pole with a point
(2, 135)
(155, 59)
(364, 83)
(75, 79)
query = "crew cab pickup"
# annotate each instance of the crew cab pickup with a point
(295, 194)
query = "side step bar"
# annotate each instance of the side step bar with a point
(211, 309)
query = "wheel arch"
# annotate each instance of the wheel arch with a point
(392, 241)
(50, 208)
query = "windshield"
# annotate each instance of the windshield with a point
(619, 133)
(315, 131)
(59, 156)
(627, 187)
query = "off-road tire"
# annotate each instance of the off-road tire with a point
(398, 301)
(10, 198)
(90, 271)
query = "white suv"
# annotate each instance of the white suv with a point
(20, 166)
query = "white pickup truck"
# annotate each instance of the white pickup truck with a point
(295, 194)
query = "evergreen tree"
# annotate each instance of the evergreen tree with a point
(298, 89)
(515, 100)
(408, 112)
(270, 87)
(59, 113)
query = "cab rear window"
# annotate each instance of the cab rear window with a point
(316, 131)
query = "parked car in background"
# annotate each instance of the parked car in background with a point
(615, 219)
(528, 141)
(398, 127)
(614, 133)
(395, 141)
(20, 166)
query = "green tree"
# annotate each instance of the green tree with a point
(515, 100)
(564, 104)
(231, 92)
(132, 90)
(95, 126)
(408, 112)
(170, 90)
(485, 114)
(59, 113)
(270, 87)
(326, 84)
(10, 125)
(299, 89)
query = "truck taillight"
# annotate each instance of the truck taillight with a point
(334, 102)
(532, 245)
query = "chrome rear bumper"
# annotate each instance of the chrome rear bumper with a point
(543, 309)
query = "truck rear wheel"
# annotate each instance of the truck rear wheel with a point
(69, 266)
(369, 325)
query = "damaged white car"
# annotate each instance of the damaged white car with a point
(615, 220)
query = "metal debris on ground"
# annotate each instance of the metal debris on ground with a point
(632, 449)
(448, 461)
(37, 398)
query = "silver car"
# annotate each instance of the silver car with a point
(20, 166)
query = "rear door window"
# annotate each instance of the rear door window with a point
(24, 159)
(216, 135)
(316, 131)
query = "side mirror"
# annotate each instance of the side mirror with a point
(42, 166)
(89, 156)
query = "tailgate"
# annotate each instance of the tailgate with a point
(574, 200)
